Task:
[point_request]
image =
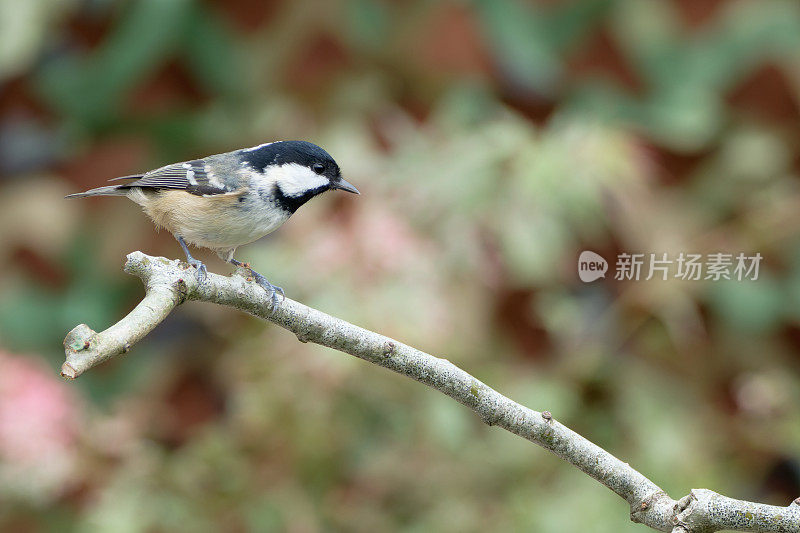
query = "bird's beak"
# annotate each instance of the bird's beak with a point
(345, 185)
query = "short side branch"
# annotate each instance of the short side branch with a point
(86, 348)
(168, 284)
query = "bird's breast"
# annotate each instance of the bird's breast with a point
(258, 216)
(217, 221)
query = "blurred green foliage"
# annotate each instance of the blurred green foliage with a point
(492, 141)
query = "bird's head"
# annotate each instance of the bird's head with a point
(298, 171)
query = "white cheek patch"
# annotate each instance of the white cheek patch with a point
(294, 179)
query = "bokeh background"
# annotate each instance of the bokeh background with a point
(492, 142)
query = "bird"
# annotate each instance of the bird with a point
(224, 201)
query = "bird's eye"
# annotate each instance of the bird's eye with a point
(319, 168)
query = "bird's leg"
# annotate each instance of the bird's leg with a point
(201, 268)
(273, 290)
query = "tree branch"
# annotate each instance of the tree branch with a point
(168, 283)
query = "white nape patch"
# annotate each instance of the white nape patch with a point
(254, 148)
(294, 179)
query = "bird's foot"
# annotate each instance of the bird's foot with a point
(202, 273)
(272, 290)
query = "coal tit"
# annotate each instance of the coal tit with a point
(224, 201)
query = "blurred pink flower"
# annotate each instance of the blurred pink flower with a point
(38, 428)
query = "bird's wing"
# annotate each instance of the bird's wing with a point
(192, 176)
(131, 177)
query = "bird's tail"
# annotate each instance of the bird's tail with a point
(109, 190)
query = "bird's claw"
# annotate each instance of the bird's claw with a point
(272, 290)
(202, 273)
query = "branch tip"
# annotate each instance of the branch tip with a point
(68, 372)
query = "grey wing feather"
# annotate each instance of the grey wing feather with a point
(192, 176)
(131, 177)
